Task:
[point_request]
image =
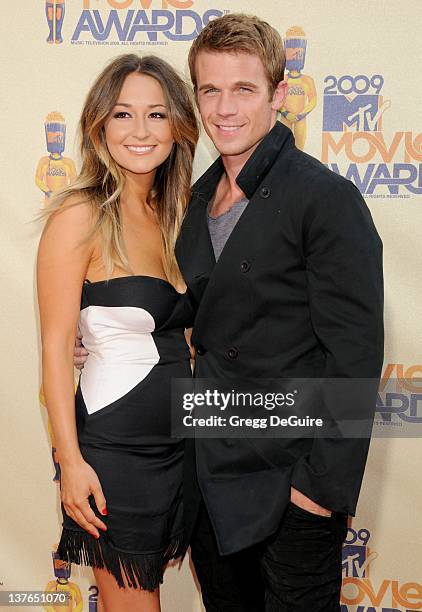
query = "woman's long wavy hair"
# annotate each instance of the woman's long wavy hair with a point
(101, 180)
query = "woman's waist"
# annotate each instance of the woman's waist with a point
(144, 349)
(100, 361)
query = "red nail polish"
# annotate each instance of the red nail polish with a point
(104, 511)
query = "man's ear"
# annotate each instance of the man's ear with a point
(279, 95)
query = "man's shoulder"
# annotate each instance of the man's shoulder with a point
(312, 175)
(323, 195)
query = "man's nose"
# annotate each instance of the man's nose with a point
(226, 104)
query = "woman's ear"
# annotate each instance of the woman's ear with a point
(279, 95)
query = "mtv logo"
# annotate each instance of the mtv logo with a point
(360, 114)
(354, 561)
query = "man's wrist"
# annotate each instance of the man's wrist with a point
(304, 502)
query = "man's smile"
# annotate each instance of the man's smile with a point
(229, 129)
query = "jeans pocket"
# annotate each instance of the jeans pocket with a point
(341, 521)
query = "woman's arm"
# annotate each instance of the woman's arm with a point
(63, 260)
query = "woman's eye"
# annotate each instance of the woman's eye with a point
(121, 115)
(158, 116)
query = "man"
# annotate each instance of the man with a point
(284, 264)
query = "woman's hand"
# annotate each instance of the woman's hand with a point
(78, 482)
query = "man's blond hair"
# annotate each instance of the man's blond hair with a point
(238, 33)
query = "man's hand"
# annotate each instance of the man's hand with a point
(80, 353)
(299, 499)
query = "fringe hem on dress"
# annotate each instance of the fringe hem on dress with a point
(141, 570)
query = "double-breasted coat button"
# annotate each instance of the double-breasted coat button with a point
(229, 443)
(232, 352)
(245, 266)
(265, 192)
(201, 350)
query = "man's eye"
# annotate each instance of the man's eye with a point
(245, 89)
(210, 91)
(121, 115)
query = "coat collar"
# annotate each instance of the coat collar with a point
(255, 169)
(194, 248)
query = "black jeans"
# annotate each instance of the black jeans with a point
(297, 569)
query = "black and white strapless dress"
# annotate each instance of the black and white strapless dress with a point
(133, 328)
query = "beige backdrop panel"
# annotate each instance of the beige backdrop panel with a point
(382, 561)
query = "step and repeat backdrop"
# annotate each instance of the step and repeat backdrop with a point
(354, 103)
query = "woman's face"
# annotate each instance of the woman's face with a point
(137, 129)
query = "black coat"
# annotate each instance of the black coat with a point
(296, 292)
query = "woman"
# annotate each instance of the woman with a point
(106, 264)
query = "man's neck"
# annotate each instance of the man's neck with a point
(228, 190)
(226, 194)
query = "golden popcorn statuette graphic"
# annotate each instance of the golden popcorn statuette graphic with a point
(301, 96)
(54, 172)
(62, 584)
(54, 12)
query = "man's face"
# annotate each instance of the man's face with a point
(234, 101)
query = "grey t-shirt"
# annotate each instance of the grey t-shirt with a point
(222, 226)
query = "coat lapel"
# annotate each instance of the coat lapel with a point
(194, 249)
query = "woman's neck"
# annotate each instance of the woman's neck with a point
(135, 194)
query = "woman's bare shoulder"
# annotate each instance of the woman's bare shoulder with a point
(75, 211)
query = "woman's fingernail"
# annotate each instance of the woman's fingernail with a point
(96, 535)
(104, 511)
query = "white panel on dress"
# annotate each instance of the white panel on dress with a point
(122, 352)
